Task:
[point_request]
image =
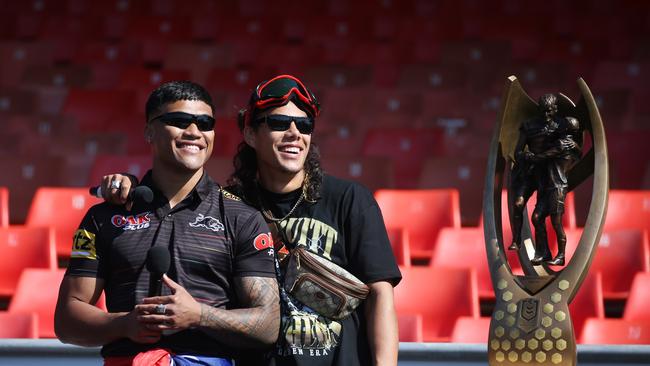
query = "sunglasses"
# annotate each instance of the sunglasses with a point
(183, 120)
(280, 122)
(278, 90)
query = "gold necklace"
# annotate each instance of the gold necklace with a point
(269, 216)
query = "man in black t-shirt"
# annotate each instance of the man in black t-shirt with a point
(220, 293)
(277, 168)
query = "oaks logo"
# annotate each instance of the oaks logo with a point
(132, 222)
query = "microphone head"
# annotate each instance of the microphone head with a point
(158, 260)
(143, 193)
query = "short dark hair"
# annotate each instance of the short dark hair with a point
(174, 91)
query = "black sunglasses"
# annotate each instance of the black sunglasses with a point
(184, 120)
(281, 122)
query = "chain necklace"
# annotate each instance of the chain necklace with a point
(269, 216)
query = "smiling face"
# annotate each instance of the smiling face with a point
(280, 154)
(180, 150)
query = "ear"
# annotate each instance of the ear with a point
(249, 136)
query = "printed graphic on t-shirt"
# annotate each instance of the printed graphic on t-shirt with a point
(315, 235)
(306, 333)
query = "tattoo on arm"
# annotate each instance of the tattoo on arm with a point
(258, 319)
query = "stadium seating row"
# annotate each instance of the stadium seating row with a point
(420, 213)
(431, 323)
(440, 310)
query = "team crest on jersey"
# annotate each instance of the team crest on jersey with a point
(132, 222)
(207, 222)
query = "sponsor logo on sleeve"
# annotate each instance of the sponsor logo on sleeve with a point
(263, 241)
(207, 222)
(83, 245)
(132, 222)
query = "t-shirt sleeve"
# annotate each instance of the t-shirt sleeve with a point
(371, 257)
(85, 257)
(254, 253)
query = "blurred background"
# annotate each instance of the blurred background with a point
(409, 90)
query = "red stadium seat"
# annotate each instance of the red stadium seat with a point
(102, 53)
(471, 330)
(431, 77)
(423, 213)
(588, 302)
(15, 57)
(339, 76)
(42, 301)
(17, 101)
(615, 331)
(4, 207)
(94, 109)
(636, 307)
(620, 255)
(628, 210)
(61, 209)
(204, 58)
(393, 103)
(18, 325)
(399, 241)
(408, 147)
(374, 173)
(108, 164)
(620, 75)
(462, 174)
(465, 248)
(440, 295)
(138, 78)
(27, 174)
(24, 247)
(57, 76)
(410, 327)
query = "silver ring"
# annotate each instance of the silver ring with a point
(161, 309)
(116, 184)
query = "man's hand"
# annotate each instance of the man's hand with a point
(118, 196)
(568, 144)
(182, 311)
(138, 331)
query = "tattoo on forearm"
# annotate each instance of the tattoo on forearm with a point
(259, 317)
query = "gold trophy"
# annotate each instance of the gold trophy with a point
(537, 148)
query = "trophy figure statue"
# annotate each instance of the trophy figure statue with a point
(537, 147)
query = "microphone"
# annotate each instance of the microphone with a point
(158, 262)
(139, 193)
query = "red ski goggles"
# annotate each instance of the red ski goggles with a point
(279, 90)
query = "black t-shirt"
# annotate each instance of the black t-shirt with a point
(212, 237)
(346, 227)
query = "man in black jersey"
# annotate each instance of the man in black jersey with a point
(220, 293)
(277, 169)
